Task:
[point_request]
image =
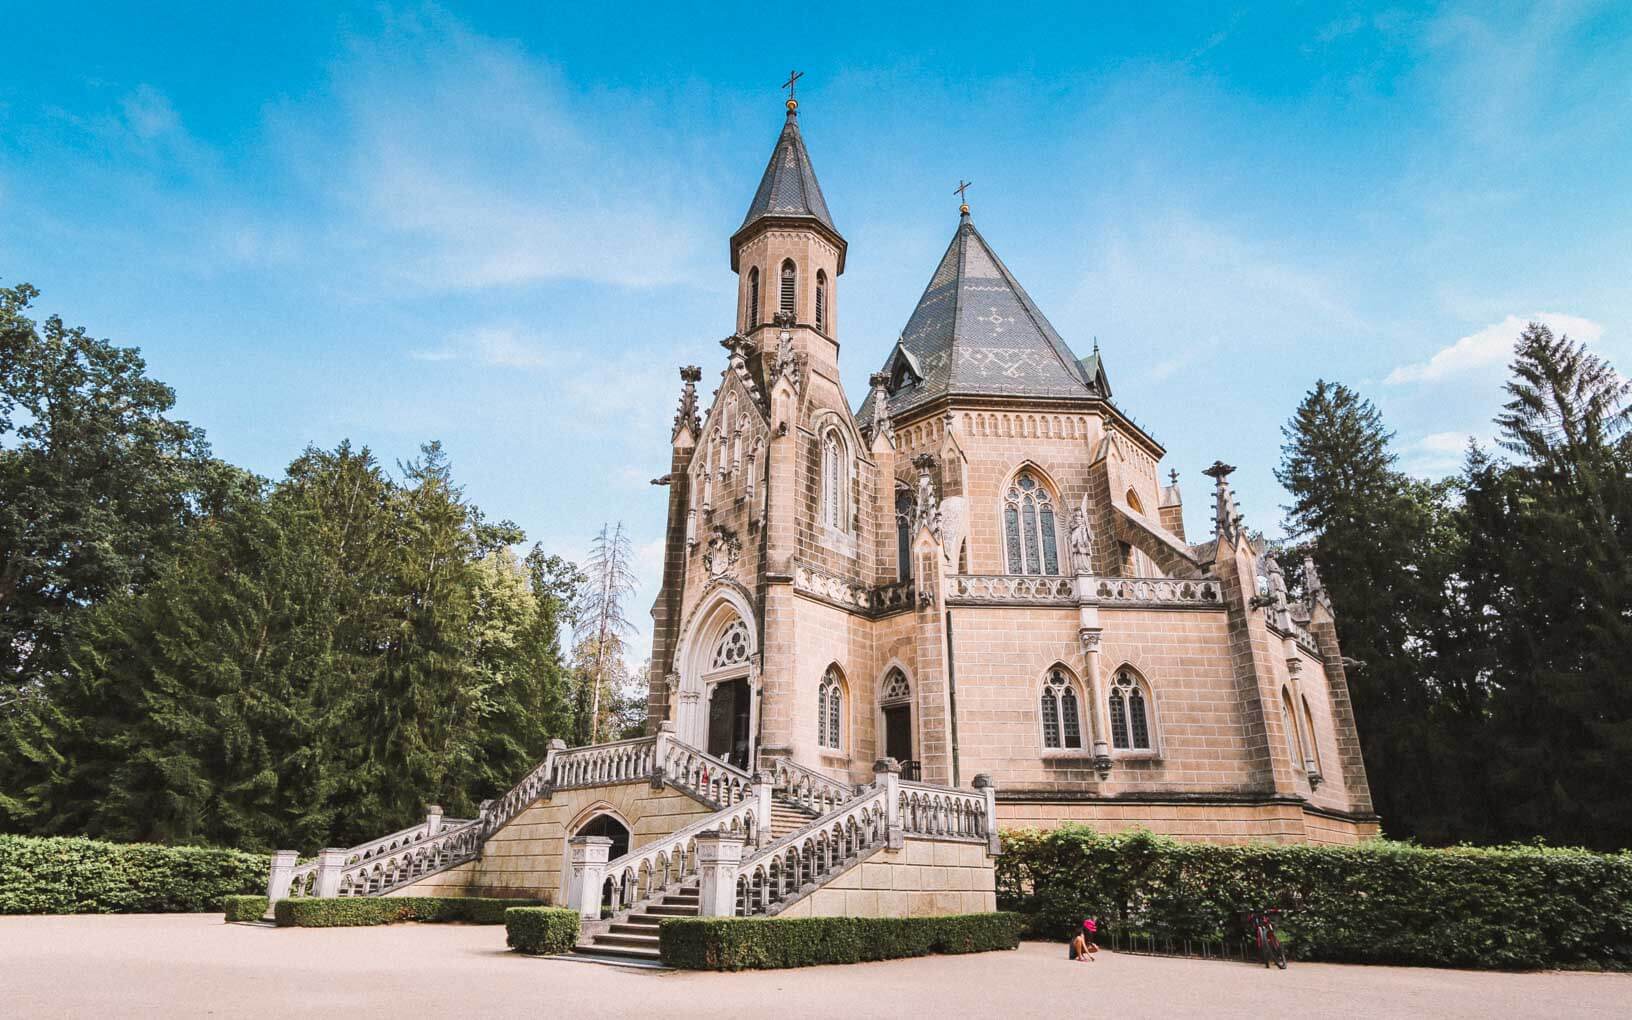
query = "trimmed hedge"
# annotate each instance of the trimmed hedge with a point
(1378, 902)
(350, 912)
(742, 943)
(72, 875)
(245, 908)
(541, 931)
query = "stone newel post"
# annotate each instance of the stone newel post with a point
(983, 783)
(283, 872)
(589, 855)
(763, 785)
(660, 753)
(887, 772)
(329, 862)
(718, 856)
(433, 819)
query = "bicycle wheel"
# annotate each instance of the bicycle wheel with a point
(1275, 950)
(1263, 944)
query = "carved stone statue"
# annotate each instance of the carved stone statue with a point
(722, 552)
(1277, 590)
(1082, 544)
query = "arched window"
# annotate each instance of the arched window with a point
(1289, 722)
(895, 687)
(835, 477)
(821, 301)
(1061, 712)
(753, 297)
(1314, 744)
(904, 506)
(732, 648)
(1130, 713)
(1134, 503)
(788, 292)
(1030, 540)
(830, 710)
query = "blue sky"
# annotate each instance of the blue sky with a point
(505, 227)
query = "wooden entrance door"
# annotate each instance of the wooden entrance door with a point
(728, 722)
(898, 732)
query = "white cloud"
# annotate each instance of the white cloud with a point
(1440, 453)
(1491, 345)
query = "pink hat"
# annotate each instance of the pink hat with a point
(1090, 925)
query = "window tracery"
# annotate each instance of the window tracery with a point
(1130, 713)
(1030, 538)
(732, 648)
(830, 710)
(1061, 712)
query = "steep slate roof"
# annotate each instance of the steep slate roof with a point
(977, 332)
(789, 186)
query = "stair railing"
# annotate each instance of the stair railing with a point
(805, 857)
(667, 863)
(807, 787)
(943, 812)
(699, 773)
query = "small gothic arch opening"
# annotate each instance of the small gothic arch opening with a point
(751, 313)
(821, 301)
(1132, 712)
(1059, 709)
(832, 710)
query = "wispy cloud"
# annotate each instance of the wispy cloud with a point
(1492, 345)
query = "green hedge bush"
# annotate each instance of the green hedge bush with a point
(311, 912)
(542, 931)
(245, 908)
(70, 875)
(741, 943)
(1378, 902)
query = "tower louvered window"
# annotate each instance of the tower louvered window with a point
(788, 290)
(821, 300)
(835, 480)
(1061, 713)
(1030, 540)
(753, 298)
(904, 508)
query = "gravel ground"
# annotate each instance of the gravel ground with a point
(193, 965)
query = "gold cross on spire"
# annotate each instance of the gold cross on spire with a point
(793, 78)
(963, 200)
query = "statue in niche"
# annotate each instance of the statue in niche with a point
(1082, 544)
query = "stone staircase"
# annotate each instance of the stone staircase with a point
(632, 936)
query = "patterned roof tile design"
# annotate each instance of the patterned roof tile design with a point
(789, 186)
(977, 331)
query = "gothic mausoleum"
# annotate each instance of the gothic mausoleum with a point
(887, 631)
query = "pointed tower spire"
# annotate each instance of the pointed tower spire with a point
(788, 193)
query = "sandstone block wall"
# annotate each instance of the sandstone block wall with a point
(925, 877)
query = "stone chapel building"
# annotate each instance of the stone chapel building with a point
(885, 634)
(979, 569)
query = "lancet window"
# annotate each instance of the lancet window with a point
(1030, 539)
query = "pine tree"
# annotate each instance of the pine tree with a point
(602, 623)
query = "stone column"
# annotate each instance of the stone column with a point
(718, 856)
(329, 862)
(588, 862)
(1099, 721)
(983, 783)
(433, 819)
(283, 873)
(660, 753)
(762, 806)
(887, 774)
(552, 751)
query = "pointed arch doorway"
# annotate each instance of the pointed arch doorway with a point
(719, 708)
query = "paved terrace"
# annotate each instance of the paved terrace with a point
(190, 965)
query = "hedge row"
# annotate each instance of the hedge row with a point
(741, 943)
(1379, 902)
(348, 912)
(71, 875)
(542, 931)
(245, 908)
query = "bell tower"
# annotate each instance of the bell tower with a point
(788, 256)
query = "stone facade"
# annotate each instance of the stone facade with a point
(989, 527)
(923, 877)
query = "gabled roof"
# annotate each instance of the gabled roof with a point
(977, 332)
(789, 187)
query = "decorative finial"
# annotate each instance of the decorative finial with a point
(1173, 477)
(1096, 345)
(963, 186)
(793, 102)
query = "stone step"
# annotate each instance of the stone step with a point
(673, 909)
(622, 939)
(626, 952)
(632, 928)
(650, 918)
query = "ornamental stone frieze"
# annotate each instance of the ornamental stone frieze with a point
(851, 594)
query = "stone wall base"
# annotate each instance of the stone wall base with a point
(1211, 822)
(924, 878)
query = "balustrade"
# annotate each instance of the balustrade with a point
(620, 762)
(806, 857)
(702, 774)
(1159, 591)
(664, 863)
(942, 813)
(805, 786)
(1028, 589)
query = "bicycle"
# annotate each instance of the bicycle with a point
(1262, 925)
